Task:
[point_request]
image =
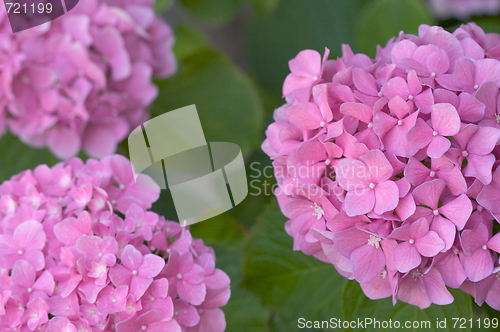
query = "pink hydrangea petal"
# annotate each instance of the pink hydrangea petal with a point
(487, 70)
(479, 265)
(445, 229)
(378, 165)
(420, 135)
(480, 167)
(465, 72)
(445, 119)
(357, 203)
(367, 262)
(430, 244)
(386, 197)
(396, 87)
(305, 116)
(406, 257)
(483, 141)
(438, 147)
(435, 287)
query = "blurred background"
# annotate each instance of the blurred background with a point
(233, 58)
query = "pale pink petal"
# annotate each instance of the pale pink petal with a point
(406, 257)
(386, 197)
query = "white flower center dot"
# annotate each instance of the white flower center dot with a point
(433, 74)
(380, 94)
(370, 125)
(485, 247)
(411, 241)
(134, 272)
(435, 212)
(465, 153)
(410, 97)
(328, 161)
(371, 185)
(144, 327)
(30, 290)
(400, 122)
(434, 133)
(152, 298)
(113, 300)
(99, 254)
(179, 276)
(432, 174)
(476, 87)
(322, 124)
(122, 186)
(315, 77)
(479, 208)
(200, 311)
(20, 252)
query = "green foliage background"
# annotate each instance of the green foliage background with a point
(272, 286)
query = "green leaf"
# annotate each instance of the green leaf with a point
(488, 24)
(245, 311)
(295, 285)
(228, 104)
(356, 306)
(188, 40)
(265, 6)
(381, 20)
(17, 157)
(213, 11)
(162, 6)
(296, 25)
(222, 229)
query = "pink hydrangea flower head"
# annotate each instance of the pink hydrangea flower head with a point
(98, 266)
(404, 149)
(56, 90)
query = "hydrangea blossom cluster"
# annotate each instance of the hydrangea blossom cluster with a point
(464, 9)
(389, 168)
(83, 81)
(81, 252)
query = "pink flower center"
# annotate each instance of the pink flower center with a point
(179, 276)
(315, 77)
(144, 327)
(371, 185)
(476, 87)
(380, 94)
(410, 97)
(374, 241)
(200, 311)
(433, 74)
(29, 290)
(485, 247)
(432, 174)
(465, 153)
(99, 254)
(479, 208)
(411, 241)
(318, 211)
(113, 300)
(370, 125)
(435, 212)
(20, 252)
(328, 161)
(134, 272)
(400, 122)
(322, 124)
(434, 133)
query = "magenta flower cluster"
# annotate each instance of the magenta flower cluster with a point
(81, 252)
(84, 80)
(388, 168)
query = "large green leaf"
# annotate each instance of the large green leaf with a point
(295, 285)
(228, 103)
(357, 306)
(16, 157)
(189, 40)
(381, 20)
(245, 311)
(213, 11)
(296, 25)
